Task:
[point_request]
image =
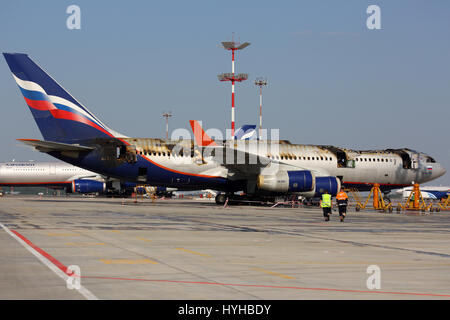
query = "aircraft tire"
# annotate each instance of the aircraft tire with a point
(221, 198)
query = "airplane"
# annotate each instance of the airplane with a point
(72, 179)
(53, 175)
(261, 169)
(428, 192)
(60, 175)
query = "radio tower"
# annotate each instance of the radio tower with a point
(167, 115)
(260, 82)
(233, 46)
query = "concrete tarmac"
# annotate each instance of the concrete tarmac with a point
(185, 249)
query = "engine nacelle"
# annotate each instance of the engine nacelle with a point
(330, 184)
(287, 181)
(88, 186)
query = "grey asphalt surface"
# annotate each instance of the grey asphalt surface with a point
(187, 249)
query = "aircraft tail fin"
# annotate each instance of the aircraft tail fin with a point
(245, 132)
(59, 116)
(201, 138)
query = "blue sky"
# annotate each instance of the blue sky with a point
(330, 79)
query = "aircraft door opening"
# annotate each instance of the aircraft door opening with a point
(343, 161)
(406, 159)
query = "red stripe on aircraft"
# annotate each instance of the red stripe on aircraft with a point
(171, 170)
(179, 172)
(67, 115)
(381, 184)
(37, 183)
(42, 105)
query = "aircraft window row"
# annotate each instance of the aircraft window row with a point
(373, 160)
(294, 157)
(159, 154)
(164, 154)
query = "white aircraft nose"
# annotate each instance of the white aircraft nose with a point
(440, 171)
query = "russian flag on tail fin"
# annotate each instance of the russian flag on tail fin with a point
(59, 116)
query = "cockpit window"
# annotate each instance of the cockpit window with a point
(430, 160)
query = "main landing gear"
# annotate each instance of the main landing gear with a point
(221, 198)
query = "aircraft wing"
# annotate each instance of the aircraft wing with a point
(247, 164)
(240, 157)
(237, 160)
(90, 177)
(48, 146)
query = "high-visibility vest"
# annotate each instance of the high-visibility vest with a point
(341, 196)
(326, 200)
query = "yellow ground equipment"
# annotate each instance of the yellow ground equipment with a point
(378, 201)
(416, 202)
(445, 204)
(150, 191)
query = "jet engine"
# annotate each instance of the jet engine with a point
(322, 184)
(287, 181)
(88, 186)
(300, 182)
(330, 184)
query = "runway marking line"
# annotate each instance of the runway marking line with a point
(53, 264)
(85, 244)
(273, 273)
(63, 234)
(194, 252)
(61, 270)
(268, 286)
(144, 239)
(128, 261)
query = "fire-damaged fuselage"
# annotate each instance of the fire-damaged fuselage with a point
(257, 167)
(276, 167)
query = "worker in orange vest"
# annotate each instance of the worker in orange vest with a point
(342, 201)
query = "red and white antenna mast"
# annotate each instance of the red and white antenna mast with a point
(167, 115)
(260, 82)
(233, 46)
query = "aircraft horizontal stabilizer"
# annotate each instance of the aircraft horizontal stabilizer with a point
(48, 146)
